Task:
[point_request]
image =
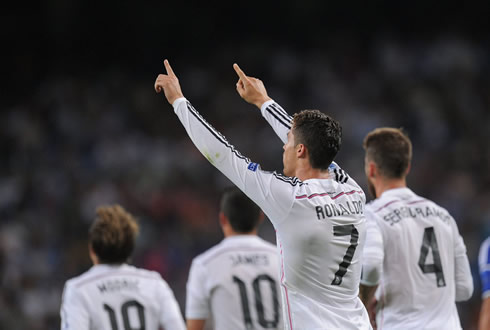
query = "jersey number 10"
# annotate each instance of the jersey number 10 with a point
(125, 315)
(259, 306)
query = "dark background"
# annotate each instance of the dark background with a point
(81, 125)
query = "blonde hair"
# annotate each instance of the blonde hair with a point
(113, 234)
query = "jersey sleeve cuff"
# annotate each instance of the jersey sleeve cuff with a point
(178, 101)
(197, 315)
(265, 105)
(368, 283)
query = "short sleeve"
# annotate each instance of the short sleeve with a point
(74, 314)
(373, 255)
(170, 316)
(197, 297)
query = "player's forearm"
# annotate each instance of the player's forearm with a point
(195, 324)
(484, 321)
(366, 293)
(212, 144)
(278, 118)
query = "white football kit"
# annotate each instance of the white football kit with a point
(416, 254)
(108, 297)
(235, 283)
(319, 223)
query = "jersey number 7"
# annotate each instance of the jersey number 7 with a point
(345, 230)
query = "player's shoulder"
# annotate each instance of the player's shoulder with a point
(242, 243)
(142, 272)
(76, 281)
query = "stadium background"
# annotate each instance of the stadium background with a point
(82, 126)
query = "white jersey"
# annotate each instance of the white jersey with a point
(235, 283)
(119, 297)
(319, 223)
(416, 254)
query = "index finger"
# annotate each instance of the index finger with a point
(170, 72)
(239, 72)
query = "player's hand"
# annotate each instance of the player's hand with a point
(169, 84)
(250, 89)
(371, 309)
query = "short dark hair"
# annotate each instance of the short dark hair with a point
(390, 149)
(321, 135)
(242, 213)
(113, 234)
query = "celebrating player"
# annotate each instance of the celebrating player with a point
(484, 262)
(113, 295)
(319, 221)
(413, 250)
(235, 282)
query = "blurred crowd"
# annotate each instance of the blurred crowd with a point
(79, 141)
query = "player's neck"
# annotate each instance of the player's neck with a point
(306, 172)
(387, 184)
(232, 233)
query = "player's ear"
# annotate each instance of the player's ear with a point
(409, 167)
(301, 150)
(261, 217)
(223, 220)
(372, 170)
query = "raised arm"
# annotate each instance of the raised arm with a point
(253, 91)
(271, 191)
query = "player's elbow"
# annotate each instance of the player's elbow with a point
(464, 290)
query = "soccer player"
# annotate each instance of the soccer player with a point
(484, 262)
(319, 221)
(112, 294)
(413, 250)
(235, 282)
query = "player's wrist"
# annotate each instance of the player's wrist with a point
(261, 101)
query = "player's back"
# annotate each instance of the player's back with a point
(119, 297)
(236, 284)
(321, 241)
(420, 239)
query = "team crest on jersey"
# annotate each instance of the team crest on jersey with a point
(253, 167)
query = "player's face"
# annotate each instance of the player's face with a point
(288, 156)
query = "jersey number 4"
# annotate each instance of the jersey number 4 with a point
(259, 306)
(430, 242)
(140, 311)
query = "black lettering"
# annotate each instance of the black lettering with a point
(344, 210)
(419, 211)
(319, 211)
(328, 210)
(428, 211)
(102, 288)
(348, 206)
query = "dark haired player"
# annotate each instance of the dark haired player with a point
(112, 294)
(234, 284)
(413, 251)
(319, 220)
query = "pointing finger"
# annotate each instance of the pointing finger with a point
(239, 72)
(170, 72)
